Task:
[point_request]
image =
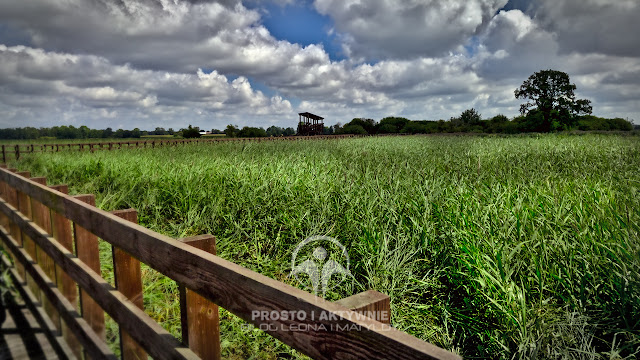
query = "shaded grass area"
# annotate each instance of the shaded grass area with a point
(517, 247)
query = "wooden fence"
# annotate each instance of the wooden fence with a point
(52, 239)
(16, 150)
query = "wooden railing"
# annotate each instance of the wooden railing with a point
(16, 150)
(52, 239)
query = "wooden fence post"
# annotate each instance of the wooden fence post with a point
(200, 318)
(370, 303)
(4, 154)
(128, 281)
(88, 252)
(17, 152)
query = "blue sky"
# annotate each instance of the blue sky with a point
(209, 63)
(300, 23)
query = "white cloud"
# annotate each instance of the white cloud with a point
(407, 29)
(593, 26)
(148, 62)
(33, 74)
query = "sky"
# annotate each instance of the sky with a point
(171, 63)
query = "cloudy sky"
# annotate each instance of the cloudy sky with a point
(170, 63)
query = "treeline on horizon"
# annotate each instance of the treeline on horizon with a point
(84, 132)
(470, 121)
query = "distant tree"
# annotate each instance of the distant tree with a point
(95, 134)
(413, 127)
(354, 129)
(470, 117)
(498, 119)
(551, 93)
(397, 122)
(231, 131)
(84, 132)
(387, 129)
(191, 132)
(590, 122)
(107, 133)
(274, 131)
(159, 131)
(71, 132)
(170, 131)
(30, 133)
(466, 120)
(337, 128)
(289, 131)
(252, 132)
(136, 133)
(369, 125)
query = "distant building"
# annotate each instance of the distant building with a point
(310, 124)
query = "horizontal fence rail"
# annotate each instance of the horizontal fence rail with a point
(35, 220)
(17, 150)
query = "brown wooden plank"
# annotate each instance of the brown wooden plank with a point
(156, 340)
(42, 217)
(95, 347)
(24, 206)
(371, 303)
(128, 280)
(330, 329)
(4, 221)
(61, 231)
(47, 337)
(87, 250)
(202, 316)
(12, 198)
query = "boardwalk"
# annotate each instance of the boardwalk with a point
(25, 332)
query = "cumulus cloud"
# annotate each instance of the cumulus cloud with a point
(513, 47)
(409, 28)
(161, 35)
(593, 26)
(149, 62)
(57, 80)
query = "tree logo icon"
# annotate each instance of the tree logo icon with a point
(312, 258)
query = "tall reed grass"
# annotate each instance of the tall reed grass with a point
(516, 247)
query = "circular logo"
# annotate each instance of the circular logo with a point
(320, 257)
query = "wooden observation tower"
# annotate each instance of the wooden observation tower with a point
(310, 124)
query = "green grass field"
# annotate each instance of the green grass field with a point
(492, 247)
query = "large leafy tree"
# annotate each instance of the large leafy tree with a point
(552, 94)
